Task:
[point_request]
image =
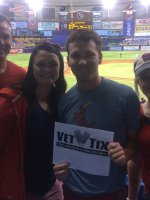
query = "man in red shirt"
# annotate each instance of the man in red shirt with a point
(11, 136)
(10, 73)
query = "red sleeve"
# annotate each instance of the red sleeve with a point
(7, 121)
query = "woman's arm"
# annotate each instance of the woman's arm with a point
(134, 178)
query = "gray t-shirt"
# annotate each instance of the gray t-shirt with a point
(110, 106)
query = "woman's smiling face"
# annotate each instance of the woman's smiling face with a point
(46, 68)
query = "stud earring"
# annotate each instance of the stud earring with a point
(54, 85)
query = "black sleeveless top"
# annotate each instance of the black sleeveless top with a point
(39, 174)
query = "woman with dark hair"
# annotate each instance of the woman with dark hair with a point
(27, 115)
(56, 88)
(43, 87)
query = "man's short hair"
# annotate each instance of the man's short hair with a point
(3, 18)
(84, 35)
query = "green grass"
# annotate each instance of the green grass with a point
(121, 72)
(71, 80)
(112, 55)
(22, 59)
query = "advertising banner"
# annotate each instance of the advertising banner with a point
(63, 25)
(142, 30)
(21, 25)
(16, 50)
(46, 26)
(47, 33)
(115, 48)
(19, 11)
(145, 48)
(112, 25)
(32, 21)
(114, 33)
(109, 33)
(33, 24)
(140, 22)
(97, 16)
(97, 24)
(63, 17)
(131, 48)
(102, 32)
(129, 26)
(142, 27)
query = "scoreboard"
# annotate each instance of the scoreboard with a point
(80, 20)
(79, 25)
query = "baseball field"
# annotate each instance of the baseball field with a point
(116, 65)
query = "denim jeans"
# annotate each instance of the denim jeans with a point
(146, 196)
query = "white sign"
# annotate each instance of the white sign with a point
(13, 25)
(145, 48)
(131, 48)
(84, 148)
(145, 21)
(112, 25)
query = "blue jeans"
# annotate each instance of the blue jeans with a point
(146, 196)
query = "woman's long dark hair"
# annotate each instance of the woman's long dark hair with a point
(29, 84)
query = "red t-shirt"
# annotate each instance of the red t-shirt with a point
(13, 75)
(144, 145)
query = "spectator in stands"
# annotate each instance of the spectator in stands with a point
(35, 109)
(140, 166)
(99, 103)
(10, 73)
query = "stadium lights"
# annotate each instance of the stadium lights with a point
(108, 4)
(146, 3)
(35, 5)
